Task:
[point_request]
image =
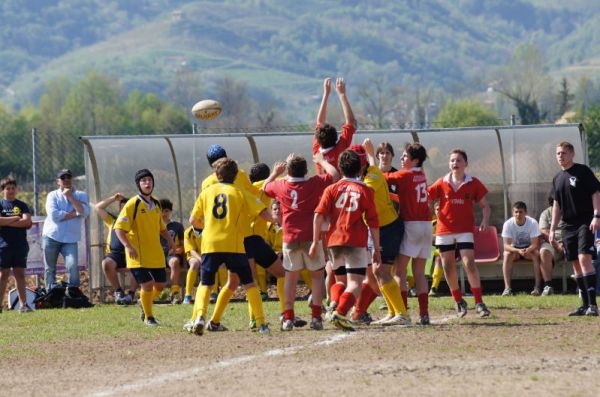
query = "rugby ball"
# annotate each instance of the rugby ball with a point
(207, 109)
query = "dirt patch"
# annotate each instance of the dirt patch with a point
(525, 351)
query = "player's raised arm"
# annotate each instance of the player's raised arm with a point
(340, 88)
(370, 150)
(322, 114)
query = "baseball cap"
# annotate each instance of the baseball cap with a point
(362, 154)
(64, 172)
(214, 153)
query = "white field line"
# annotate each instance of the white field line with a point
(191, 372)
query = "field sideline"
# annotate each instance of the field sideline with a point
(528, 345)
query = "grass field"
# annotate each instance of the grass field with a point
(528, 345)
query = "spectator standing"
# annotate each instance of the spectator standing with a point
(15, 219)
(66, 208)
(577, 199)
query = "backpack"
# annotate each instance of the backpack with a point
(61, 296)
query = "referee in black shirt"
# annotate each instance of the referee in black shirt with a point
(577, 198)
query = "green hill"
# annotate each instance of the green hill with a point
(282, 49)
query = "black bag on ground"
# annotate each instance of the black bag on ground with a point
(62, 296)
(75, 299)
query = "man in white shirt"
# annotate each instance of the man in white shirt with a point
(66, 208)
(520, 235)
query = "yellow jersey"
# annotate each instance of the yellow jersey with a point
(226, 210)
(143, 223)
(259, 224)
(192, 240)
(383, 204)
(241, 181)
(274, 236)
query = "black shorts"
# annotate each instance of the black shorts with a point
(258, 249)
(144, 274)
(578, 240)
(234, 262)
(390, 237)
(119, 258)
(456, 247)
(14, 257)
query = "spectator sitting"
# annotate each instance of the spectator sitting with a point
(550, 253)
(520, 234)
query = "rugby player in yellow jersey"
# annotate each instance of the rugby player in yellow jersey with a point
(391, 229)
(115, 251)
(139, 227)
(220, 208)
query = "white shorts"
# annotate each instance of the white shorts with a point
(416, 242)
(349, 257)
(296, 258)
(448, 239)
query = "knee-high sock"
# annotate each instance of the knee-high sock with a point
(423, 304)
(257, 306)
(222, 301)
(388, 303)
(590, 280)
(347, 300)
(190, 280)
(438, 275)
(201, 302)
(281, 293)
(305, 274)
(146, 301)
(261, 278)
(366, 297)
(336, 292)
(392, 290)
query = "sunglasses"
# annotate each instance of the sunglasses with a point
(63, 177)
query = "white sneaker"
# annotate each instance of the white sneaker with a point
(287, 325)
(507, 292)
(383, 320)
(398, 319)
(536, 292)
(198, 327)
(548, 290)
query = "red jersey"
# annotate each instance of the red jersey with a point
(456, 214)
(345, 202)
(331, 154)
(299, 198)
(412, 193)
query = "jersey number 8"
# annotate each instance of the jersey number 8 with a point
(220, 208)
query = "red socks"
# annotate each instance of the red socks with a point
(477, 295)
(457, 295)
(336, 291)
(345, 303)
(366, 297)
(423, 304)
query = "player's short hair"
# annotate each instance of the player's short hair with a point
(461, 152)
(416, 151)
(9, 180)
(259, 172)
(566, 145)
(123, 201)
(215, 152)
(520, 205)
(275, 203)
(166, 204)
(550, 199)
(326, 136)
(384, 146)
(297, 167)
(349, 163)
(225, 169)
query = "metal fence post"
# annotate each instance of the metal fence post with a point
(36, 190)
